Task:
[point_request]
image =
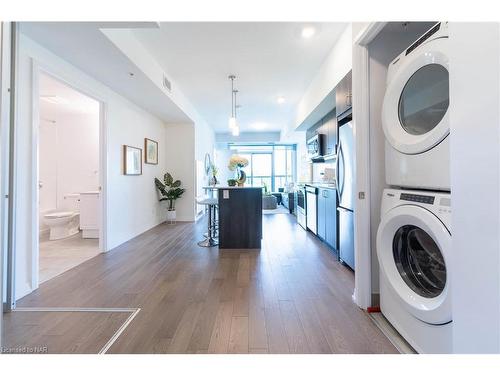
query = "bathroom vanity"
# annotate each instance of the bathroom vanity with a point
(89, 214)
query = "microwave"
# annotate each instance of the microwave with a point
(315, 147)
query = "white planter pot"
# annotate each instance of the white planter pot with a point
(171, 215)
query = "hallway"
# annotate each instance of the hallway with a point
(292, 296)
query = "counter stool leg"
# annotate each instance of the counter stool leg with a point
(209, 241)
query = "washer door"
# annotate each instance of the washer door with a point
(413, 248)
(415, 109)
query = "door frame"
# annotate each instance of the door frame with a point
(362, 295)
(38, 68)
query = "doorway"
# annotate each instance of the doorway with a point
(69, 177)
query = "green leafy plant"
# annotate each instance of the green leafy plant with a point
(214, 169)
(231, 182)
(169, 189)
(266, 191)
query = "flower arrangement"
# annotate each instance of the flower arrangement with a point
(237, 161)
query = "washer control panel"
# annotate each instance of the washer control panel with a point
(417, 198)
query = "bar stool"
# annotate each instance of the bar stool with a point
(211, 203)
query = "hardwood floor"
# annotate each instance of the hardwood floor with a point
(289, 297)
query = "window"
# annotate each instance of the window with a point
(268, 165)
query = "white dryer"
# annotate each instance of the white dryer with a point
(414, 250)
(415, 114)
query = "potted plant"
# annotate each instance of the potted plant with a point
(170, 191)
(231, 182)
(215, 170)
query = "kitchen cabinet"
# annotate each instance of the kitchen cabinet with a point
(327, 128)
(327, 216)
(330, 129)
(322, 214)
(343, 94)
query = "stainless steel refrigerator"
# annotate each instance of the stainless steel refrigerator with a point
(345, 191)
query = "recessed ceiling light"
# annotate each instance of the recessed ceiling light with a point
(308, 32)
(281, 99)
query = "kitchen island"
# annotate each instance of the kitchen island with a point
(240, 217)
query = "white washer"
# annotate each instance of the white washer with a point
(415, 114)
(414, 250)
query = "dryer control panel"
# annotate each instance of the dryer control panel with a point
(417, 198)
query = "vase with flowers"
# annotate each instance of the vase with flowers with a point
(236, 164)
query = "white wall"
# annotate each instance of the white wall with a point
(132, 200)
(222, 156)
(204, 136)
(180, 163)
(68, 158)
(475, 186)
(304, 170)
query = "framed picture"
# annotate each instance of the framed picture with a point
(150, 151)
(132, 160)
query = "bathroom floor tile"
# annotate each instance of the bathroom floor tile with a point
(59, 256)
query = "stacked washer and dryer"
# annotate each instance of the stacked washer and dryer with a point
(414, 236)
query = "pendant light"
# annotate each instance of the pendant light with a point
(236, 129)
(232, 119)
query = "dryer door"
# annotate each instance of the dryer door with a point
(415, 109)
(413, 248)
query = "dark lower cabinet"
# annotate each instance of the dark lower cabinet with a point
(331, 218)
(327, 216)
(321, 214)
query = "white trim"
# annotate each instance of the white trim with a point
(117, 334)
(35, 195)
(37, 68)
(361, 114)
(133, 313)
(369, 33)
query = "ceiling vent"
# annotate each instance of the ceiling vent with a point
(167, 84)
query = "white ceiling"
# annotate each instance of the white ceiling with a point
(86, 47)
(269, 59)
(57, 98)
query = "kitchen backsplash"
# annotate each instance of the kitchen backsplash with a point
(323, 172)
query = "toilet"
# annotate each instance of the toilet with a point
(65, 222)
(62, 224)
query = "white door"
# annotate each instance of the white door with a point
(413, 249)
(415, 109)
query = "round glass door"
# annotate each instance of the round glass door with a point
(419, 261)
(424, 99)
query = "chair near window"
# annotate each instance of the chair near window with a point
(269, 202)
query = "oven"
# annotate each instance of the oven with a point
(301, 207)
